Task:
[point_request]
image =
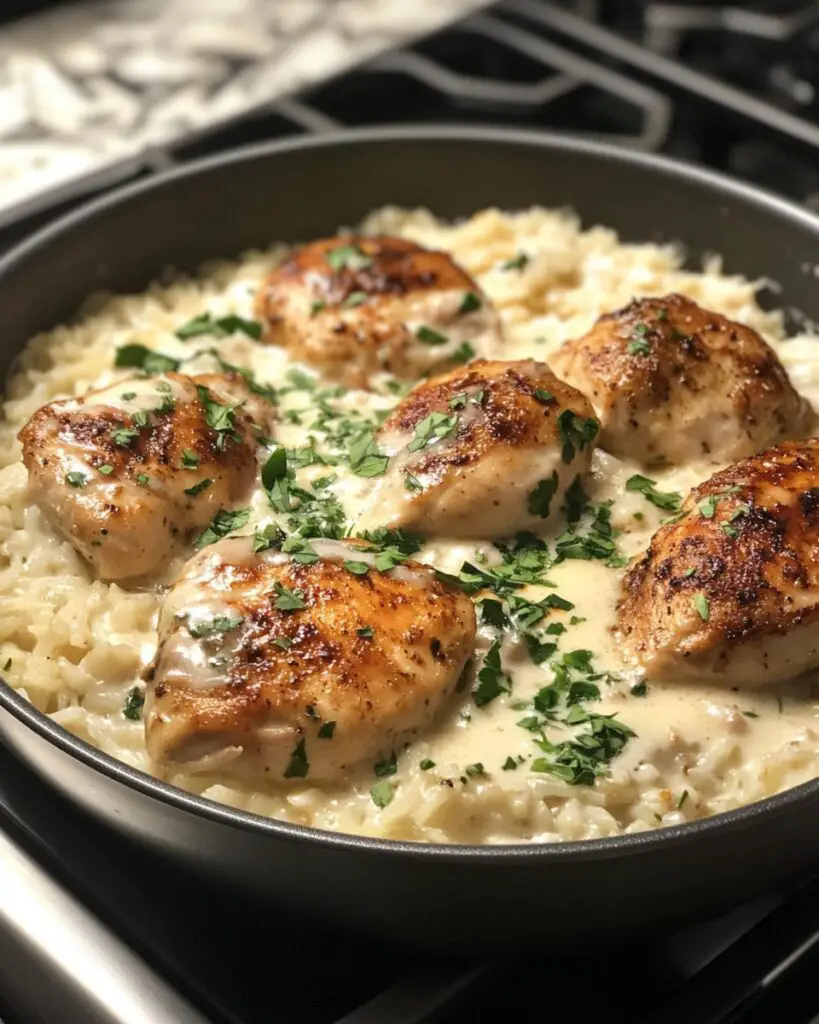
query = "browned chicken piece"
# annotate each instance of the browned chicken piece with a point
(730, 591)
(302, 670)
(355, 305)
(672, 382)
(486, 450)
(130, 472)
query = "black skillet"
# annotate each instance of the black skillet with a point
(455, 897)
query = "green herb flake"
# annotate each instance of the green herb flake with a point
(510, 764)
(431, 429)
(106, 469)
(683, 798)
(326, 730)
(491, 678)
(143, 479)
(316, 306)
(669, 501)
(288, 600)
(356, 568)
(429, 337)
(123, 436)
(348, 256)
(639, 689)
(220, 327)
(190, 460)
(223, 523)
(382, 793)
(354, 299)
(412, 483)
(576, 433)
(128, 396)
(475, 770)
(463, 353)
(284, 642)
(365, 457)
(76, 479)
(141, 358)
(539, 501)
(700, 602)
(518, 262)
(299, 766)
(203, 485)
(544, 396)
(469, 303)
(134, 702)
(708, 507)
(425, 764)
(216, 626)
(389, 766)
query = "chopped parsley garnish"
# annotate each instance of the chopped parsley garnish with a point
(382, 793)
(542, 395)
(365, 632)
(106, 469)
(492, 681)
(356, 568)
(708, 507)
(589, 534)
(366, 458)
(389, 766)
(326, 730)
(475, 770)
(585, 757)
(669, 501)
(203, 485)
(432, 428)
(219, 327)
(123, 436)
(288, 600)
(682, 800)
(517, 263)
(271, 536)
(218, 417)
(316, 306)
(127, 396)
(354, 299)
(639, 689)
(7, 664)
(430, 337)
(216, 626)
(576, 433)
(463, 353)
(539, 501)
(412, 483)
(299, 766)
(223, 523)
(348, 256)
(302, 551)
(142, 358)
(284, 642)
(512, 763)
(425, 764)
(275, 468)
(639, 344)
(134, 702)
(700, 602)
(76, 479)
(141, 418)
(143, 479)
(469, 303)
(190, 460)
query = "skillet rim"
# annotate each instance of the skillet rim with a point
(146, 785)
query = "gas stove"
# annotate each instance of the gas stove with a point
(734, 87)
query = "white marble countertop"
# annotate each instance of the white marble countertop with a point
(89, 83)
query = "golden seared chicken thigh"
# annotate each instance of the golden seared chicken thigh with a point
(129, 472)
(672, 382)
(730, 591)
(357, 305)
(302, 666)
(483, 451)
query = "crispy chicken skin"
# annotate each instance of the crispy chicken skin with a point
(116, 471)
(673, 382)
(356, 305)
(731, 590)
(486, 450)
(376, 655)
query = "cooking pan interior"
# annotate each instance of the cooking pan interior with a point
(305, 189)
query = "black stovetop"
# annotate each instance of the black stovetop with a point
(735, 87)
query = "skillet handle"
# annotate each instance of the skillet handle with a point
(59, 962)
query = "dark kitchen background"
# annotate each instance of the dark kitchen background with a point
(96, 94)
